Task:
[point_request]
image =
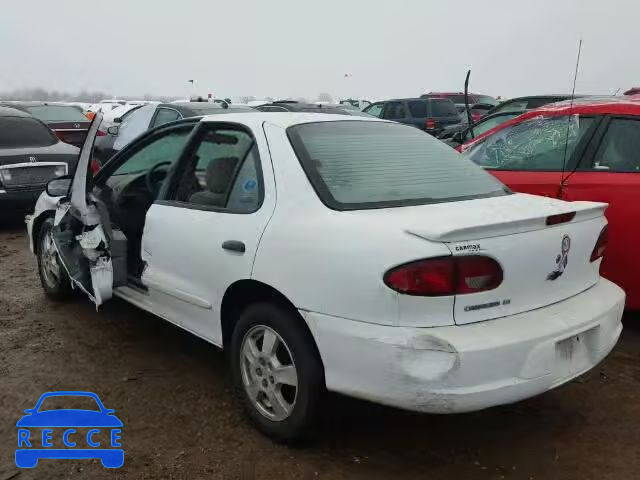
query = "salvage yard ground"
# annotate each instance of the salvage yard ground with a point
(171, 391)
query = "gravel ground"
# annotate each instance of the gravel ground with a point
(172, 393)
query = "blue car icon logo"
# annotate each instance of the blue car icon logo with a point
(84, 434)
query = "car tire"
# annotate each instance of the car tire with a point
(57, 287)
(295, 347)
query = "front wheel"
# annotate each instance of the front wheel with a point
(277, 371)
(53, 275)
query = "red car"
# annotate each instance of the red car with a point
(586, 151)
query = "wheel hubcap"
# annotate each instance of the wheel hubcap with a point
(49, 260)
(268, 373)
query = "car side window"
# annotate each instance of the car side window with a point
(619, 150)
(166, 148)
(165, 115)
(375, 109)
(418, 109)
(534, 145)
(394, 111)
(222, 173)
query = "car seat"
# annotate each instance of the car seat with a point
(218, 178)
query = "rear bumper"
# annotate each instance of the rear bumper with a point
(471, 367)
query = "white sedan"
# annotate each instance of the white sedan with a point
(342, 253)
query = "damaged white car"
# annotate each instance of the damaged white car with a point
(342, 253)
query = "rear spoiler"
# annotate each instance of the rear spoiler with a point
(448, 231)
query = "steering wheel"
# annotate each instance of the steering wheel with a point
(148, 179)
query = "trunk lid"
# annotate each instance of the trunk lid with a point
(73, 133)
(541, 264)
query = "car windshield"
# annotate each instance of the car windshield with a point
(487, 124)
(57, 113)
(18, 132)
(364, 164)
(538, 144)
(66, 402)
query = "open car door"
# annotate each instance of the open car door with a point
(82, 232)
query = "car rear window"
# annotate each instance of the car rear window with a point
(443, 108)
(19, 132)
(362, 164)
(57, 113)
(454, 97)
(486, 99)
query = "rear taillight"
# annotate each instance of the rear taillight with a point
(601, 244)
(101, 134)
(60, 135)
(431, 124)
(560, 218)
(436, 277)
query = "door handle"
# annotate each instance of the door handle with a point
(234, 246)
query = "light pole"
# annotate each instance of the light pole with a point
(193, 88)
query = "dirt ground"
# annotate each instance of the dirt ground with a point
(171, 391)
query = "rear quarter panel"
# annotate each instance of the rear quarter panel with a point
(333, 262)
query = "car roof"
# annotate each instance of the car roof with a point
(6, 111)
(32, 103)
(293, 106)
(629, 105)
(288, 119)
(416, 99)
(455, 93)
(195, 106)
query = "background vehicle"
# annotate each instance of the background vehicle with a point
(359, 104)
(150, 116)
(294, 106)
(458, 99)
(110, 117)
(432, 115)
(30, 156)
(522, 104)
(602, 164)
(229, 215)
(105, 106)
(66, 121)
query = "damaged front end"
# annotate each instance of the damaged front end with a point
(84, 251)
(82, 232)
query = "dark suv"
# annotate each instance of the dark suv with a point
(429, 114)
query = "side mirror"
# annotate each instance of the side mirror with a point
(117, 120)
(29, 410)
(59, 187)
(113, 130)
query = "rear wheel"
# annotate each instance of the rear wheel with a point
(277, 371)
(53, 276)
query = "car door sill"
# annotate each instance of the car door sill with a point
(141, 300)
(179, 294)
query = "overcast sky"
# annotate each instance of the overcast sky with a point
(283, 48)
